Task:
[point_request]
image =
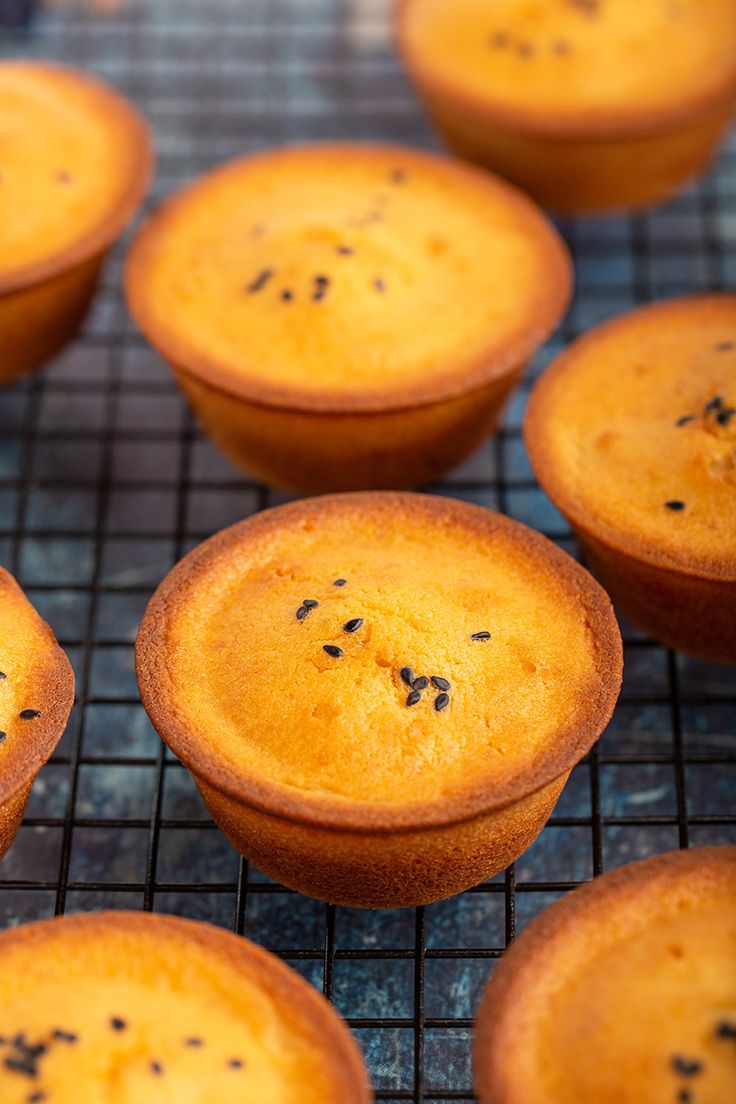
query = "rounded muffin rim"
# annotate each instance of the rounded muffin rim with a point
(532, 955)
(134, 125)
(328, 1031)
(611, 125)
(498, 362)
(562, 751)
(25, 759)
(537, 436)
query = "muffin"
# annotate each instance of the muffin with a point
(623, 992)
(347, 316)
(75, 159)
(380, 696)
(590, 105)
(131, 1007)
(36, 697)
(632, 433)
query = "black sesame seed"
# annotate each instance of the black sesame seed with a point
(684, 1096)
(64, 1036)
(321, 284)
(686, 1067)
(484, 635)
(714, 404)
(3, 737)
(157, 1068)
(440, 683)
(310, 603)
(260, 281)
(235, 1063)
(414, 697)
(723, 417)
(379, 284)
(118, 1024)
(726, 1030)
(344, 250)
(194, 1041)
(353, 625)
(420, 683)
(287, 295)
(301, 613)
(685, 419)
(339, 582)
(675, 504)
(725, 346)
(29, 714)
(333, 650)
(407, 676)
(36, 1097)
(441, 702)
(3, 675)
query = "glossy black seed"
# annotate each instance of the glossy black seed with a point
(725, 346)
(379, 284)
(3, 737)
(118, 1024)
(29, 714)
(686, 1067)
(194, 1041)
(235, 1063)
(684, 1096)
(157, 1068)
(333, 650)
(353, 625)
(420, 683)
(3, 675)
(441, 702)
(407, 676)
(414, 697)
(36, 1097)
(287, 295)
(440, 683)
(344, 250)
(64, 1036)
(260, 280)
(310, 603)
(339, 582)
(723, 417)
(715, 404)
(726, 1030)
(675, 504)
(484, 635)
(685, 419)
(301, 613)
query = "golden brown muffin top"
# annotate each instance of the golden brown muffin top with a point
(567, 66)
(632, 431)
(36, 689)
(624, 992)
(348, 276)
(368, 657)
(129, 1007)
(74, 160)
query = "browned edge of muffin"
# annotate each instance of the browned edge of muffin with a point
(549, 303)
(20, 763)
(632, 122)
(507, 1000)
(322, 1024)
(564, 748)
(537, 435)
(135, 131)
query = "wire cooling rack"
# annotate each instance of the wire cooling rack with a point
(105, 482)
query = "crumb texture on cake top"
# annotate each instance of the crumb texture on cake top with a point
(348, 269)
(114, 1008)
(572, 60)
(633, 432)
(69, 148)
(379, 649)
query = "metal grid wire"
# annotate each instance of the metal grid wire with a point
(105, 482)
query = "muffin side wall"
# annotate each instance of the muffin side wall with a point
(382, 870)
(313, 452)
(11, 815)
